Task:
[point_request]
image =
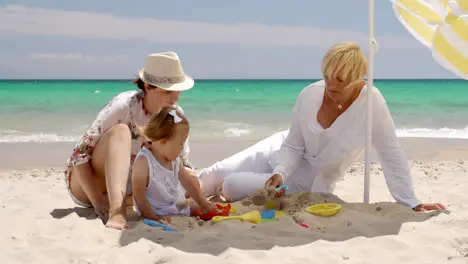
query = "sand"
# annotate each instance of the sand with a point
(40, 224)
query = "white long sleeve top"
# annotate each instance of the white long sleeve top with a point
(331, 151)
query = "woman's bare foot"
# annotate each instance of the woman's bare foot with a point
(117, 220)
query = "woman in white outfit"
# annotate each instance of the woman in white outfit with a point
(327, 134)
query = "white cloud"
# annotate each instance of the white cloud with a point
(22, 20)
(76, 57)
(57, 56)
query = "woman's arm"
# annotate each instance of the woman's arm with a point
(292, 149)
(140, 179)
(84, 174)
(392, 158)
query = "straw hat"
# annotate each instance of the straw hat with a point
(165, 71)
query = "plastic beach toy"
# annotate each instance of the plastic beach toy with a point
(268, 214)
(271, 215)
(281, 190)
(328, 209)
(233, 207)
(223, 210)
(252, 216)
(157, 224)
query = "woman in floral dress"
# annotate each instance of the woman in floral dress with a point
(98, 170)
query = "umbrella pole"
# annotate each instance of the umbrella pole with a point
(370, 85)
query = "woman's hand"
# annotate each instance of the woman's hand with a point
(274, 181)
(430, 207)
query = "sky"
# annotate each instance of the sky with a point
(109, 39)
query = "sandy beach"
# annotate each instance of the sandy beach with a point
(40, 224)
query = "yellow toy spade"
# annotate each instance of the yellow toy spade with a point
(252, 216)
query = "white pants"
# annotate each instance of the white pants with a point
(241, 174)
(255, 160)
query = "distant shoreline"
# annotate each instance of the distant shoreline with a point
(230, 79)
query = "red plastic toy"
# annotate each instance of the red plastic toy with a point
(223, 210)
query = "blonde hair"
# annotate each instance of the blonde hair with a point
(344, 61)
(162, 125)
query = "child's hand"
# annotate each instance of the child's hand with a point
(208, 206)
(163, 219)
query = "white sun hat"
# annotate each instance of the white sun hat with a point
(165, 71)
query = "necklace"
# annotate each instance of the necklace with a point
(339, 106)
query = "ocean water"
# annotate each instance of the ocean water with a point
(61, 110)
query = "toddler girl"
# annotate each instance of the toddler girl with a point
(159, 180)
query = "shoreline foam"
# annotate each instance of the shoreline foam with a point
(242, 132)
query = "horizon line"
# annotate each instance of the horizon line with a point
(208, 79)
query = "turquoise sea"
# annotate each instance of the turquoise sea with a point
(61, 110)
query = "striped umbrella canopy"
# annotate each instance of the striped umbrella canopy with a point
(442, 26)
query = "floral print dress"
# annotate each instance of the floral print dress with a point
(125, 108)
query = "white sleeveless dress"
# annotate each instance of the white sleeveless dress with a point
(164, 188)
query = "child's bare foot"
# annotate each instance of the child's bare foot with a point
(117, 221)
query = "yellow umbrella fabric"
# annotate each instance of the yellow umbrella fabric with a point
(442, 26)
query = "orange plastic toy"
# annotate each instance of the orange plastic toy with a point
(223, 210)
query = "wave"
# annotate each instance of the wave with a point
(240, 131)
(14, 136)
(433, 133)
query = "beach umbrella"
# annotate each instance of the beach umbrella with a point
(372, 46)
(440, 25)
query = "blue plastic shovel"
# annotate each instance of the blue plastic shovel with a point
(157, 224)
